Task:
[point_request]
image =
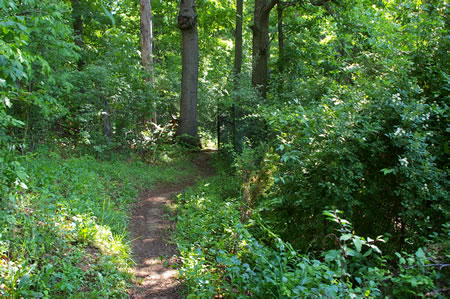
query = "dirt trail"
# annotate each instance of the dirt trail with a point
(150, 231)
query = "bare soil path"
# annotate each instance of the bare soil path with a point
(153, 252)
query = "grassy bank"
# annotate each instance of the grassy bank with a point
(64, 231)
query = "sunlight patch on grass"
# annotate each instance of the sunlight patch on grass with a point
(68, 232)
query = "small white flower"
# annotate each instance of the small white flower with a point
(396, 98)
(399, 132)
(404, 162)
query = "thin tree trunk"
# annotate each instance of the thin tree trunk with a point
(147, 43)
(147, 37)
(281, 58)
(77, 28)
(238, 39)
(187, 22)
(280, 38)
(237, 67)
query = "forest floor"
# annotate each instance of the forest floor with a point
(150, 229)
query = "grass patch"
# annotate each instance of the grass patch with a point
(66, 233)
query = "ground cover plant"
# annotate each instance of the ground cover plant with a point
(64, 230)
(223, 256)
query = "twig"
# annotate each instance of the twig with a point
(431, 294)
(435, 265)
(430, 265)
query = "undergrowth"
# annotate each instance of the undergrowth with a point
(64, 232)
(226, 257)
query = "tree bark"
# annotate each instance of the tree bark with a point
(280, 38)
(77, 23)
(147, 37)
(281, 54)
(260, 54)
(187, 23)
(237, 67)
(147, 43)
(238, 38)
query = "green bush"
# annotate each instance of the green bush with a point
(369, 157)
(221, 256)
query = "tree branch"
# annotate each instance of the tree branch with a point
(438, 265)
(270, 41)
(318, 2)
(271, 5)
(324, 3)
(434, 293)
(430, 265)
(290, 3)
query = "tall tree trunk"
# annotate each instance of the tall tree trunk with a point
(280, 38)
(147, 37)
(187, 22)
(281, 58)
(237, 67)
(260, 29)
(147, 43)
(77, 27)
(238, 39)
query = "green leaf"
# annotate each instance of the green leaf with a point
(331, 255)
(386, 171)
(345, 237)
(420, 253)
(358, 244)
(24, 280)
(328, 213)
(108, 13)
(11, 219)
(36, 294)
(12, 5)
(21, 175)
(368, 252)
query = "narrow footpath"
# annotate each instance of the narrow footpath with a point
(150, 230)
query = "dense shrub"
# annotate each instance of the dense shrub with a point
(370, 157)
(362, 125)
(221, 256)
